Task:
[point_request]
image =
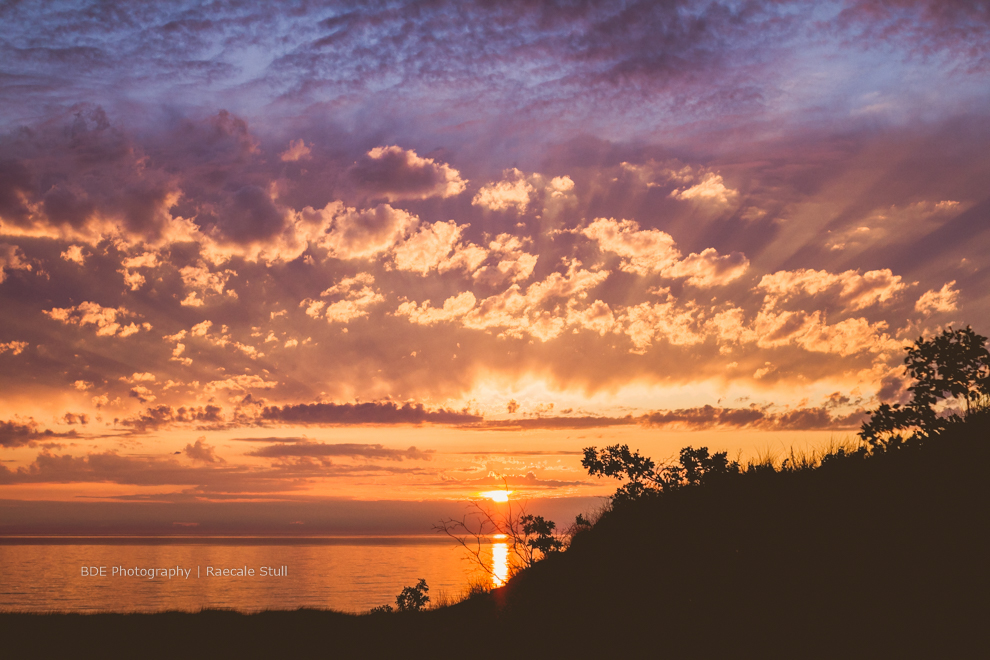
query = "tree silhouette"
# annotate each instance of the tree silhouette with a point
(695, 467)
(953, 364)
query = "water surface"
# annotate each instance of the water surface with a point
(346, 574)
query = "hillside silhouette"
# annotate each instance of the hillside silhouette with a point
(871, 550)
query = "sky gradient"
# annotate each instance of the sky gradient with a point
(292, 254)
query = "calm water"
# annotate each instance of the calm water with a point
(342, 574)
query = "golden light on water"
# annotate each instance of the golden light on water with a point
(500, 562)
(497, 495)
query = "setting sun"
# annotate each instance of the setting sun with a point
(497, 495)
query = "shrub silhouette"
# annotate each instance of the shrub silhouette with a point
(413, 599)
(410, 599)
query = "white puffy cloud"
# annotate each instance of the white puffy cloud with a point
(854, 290)
(453, 308)
(201, 329)
(945, 299)
(140, 377)
(133, 279)
(513, 265)
(74, 253)
(514, 190)
(596, 317)
(711, 189)
(649, 251)
(430, 248)
(515, 312)
(104, 318)
(708, 268)
(357, 296)
(354, 307)
(560, 186)
(15, 347)
(729, 327)
(812, 333)
(649, 322)
(642, 251)
(199, 280)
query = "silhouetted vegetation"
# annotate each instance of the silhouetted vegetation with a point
(954, 364)
(410, 599)
(529, 538)
(870, 549)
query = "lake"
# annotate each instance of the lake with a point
(150, 575)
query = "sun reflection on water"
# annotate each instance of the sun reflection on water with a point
(500, 561)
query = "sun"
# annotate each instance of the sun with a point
(497, 495)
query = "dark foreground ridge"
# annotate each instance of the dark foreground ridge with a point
(880, 555)
(875, 551)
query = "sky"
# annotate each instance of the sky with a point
(319, 267)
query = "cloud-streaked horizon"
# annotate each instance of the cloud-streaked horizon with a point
(346, 223)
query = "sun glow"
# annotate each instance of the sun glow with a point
(497, 495)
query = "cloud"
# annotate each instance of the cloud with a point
(362, 234)
(199, 280)
(11, 258)
(812, 333)
(514, 264)
(648, 322)
(513, 191)
(15, 347)
(855, 291)
(711, 190)
(516, 313)
(453, 308)
(586, 422)
(399, 174)
(641, 252)
(944, 300)
(297, 151)
(430, 249)
(596, 317)
(241, 383)
(164, 416)
(560, 186)
(140, 377)
(142, 394)
(15, 434)
(74, 253)
(357, 296)
(707, 417)
(202, 452)
(644, 252)
(303, 447)
(708, 269)
(517, 481)
(364, 413)
(104, 318)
